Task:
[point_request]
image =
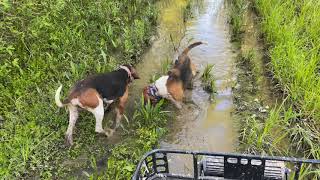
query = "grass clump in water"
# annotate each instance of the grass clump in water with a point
(187, 11)
(208, 79)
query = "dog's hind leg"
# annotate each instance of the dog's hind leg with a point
(98, 113)
(73, 116)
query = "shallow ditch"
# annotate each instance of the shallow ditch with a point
(242, 88)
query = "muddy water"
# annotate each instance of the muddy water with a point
(170, 23)
(201, 124)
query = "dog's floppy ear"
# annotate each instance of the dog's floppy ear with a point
(174, 74)
(134, 73)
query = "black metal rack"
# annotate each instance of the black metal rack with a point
(207, 165)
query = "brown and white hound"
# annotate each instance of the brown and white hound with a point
(90, 94)
(168, 87)
(172, 86)
(186, 67)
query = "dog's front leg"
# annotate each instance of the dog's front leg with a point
(176, 103)
(73, 116)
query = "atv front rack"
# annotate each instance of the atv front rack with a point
(206, 165)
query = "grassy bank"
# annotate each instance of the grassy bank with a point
(291, 35)
(146, 128)
(43, 44)
(291, 30)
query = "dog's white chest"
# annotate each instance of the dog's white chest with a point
(161, 86)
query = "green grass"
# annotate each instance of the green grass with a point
(236, 18)
(146, 127)
(43, 44)
(208, 79)
(291, 33)
(187, 11)
(165, 67)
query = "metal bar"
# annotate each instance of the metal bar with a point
(165, 158)
(195, 167)
(297, 171)
(175, 176)
(154, 163)
(286, 159)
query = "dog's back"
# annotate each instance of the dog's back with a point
(186, 67)
(109, 85)
(186, 74)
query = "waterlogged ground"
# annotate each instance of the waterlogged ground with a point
(202, 124)
(244, 95)
(170, 24)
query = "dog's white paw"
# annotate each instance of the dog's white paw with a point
(179, 105)
(109, 132)
(100, 131)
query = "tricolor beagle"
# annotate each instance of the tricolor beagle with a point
(90, 94)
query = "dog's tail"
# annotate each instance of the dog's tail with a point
(185, 51)
(57, 97)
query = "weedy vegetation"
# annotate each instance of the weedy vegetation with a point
(236, 18)
(291, 34)
(291, 30)
(187, 11)
(43, 44)
(147, 126)
(208, 79)
(165, 67)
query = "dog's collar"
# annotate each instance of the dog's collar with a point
(128, 71)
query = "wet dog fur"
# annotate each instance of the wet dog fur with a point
(179, 78)
(92, 92)
(171, 89)
(186, 67)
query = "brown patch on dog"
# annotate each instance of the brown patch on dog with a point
(174, 74)
(182, 58)
(89, 98)
(175, 88)
(123, 100)
(175, 85)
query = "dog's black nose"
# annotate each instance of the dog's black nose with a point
(176, 61)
